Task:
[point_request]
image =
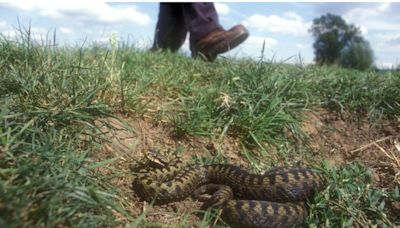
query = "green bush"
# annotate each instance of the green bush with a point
(357, 55)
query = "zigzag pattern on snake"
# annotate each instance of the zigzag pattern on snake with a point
(274, 199)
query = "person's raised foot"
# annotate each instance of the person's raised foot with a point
(220, 41)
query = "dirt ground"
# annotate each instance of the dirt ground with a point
(339, 139)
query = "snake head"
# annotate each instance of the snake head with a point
(160, 158)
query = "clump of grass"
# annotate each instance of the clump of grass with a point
(371, 94)
(48, 106)
(260, 100)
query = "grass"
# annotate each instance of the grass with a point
(52, 96)
(350, 199)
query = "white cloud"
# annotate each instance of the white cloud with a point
(388, 40)
(222, 9)
(65, 30)
(383, 7)
(372, 17)
(290, 24)
(36, 33)
(259, 40)
(83, 11)
(252, 47)
(300, 46)
(20, 5)
(364, 30)
(3, 24)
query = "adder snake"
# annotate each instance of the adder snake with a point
(274, 199)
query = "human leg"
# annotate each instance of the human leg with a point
(207, 37)
(200, 19)
(170, 29)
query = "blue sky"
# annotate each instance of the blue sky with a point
(283, 26)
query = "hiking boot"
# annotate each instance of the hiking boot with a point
(219, 41)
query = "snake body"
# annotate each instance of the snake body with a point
(274, 199)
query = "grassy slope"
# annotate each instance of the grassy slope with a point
(50, 99)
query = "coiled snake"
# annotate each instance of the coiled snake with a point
(274, 199)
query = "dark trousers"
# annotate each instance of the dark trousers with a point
(176, 19)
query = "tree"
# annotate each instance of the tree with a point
(357, 54)
(332, 34)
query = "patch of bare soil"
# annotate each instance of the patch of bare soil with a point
(334, 138)
(342, 139)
